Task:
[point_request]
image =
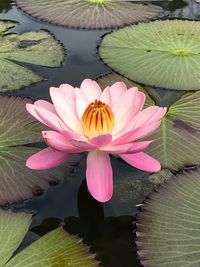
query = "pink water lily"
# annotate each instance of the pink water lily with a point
(101, 123)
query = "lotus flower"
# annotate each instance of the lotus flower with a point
(101, 123)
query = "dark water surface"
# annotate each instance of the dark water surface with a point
(107, 228)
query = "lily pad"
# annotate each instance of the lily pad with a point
(91, 14)
(177, 141)
(56, 248)
(160, 53)
(168, 226)
(18, 129)
(39, 48)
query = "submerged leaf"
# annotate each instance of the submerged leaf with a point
(90, 14)
(56, 248)
(39, 48)
(160, 53)
(168, 226)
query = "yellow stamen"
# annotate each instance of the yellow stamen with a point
(97, 119)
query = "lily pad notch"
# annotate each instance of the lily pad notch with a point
(38, 48)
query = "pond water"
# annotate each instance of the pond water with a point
(108, 228)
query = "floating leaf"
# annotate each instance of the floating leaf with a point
(17, 128)
(90, 14)
(177, 141)
(160, 53)
(38, 48)
(56, 248)
(13, 227)
(110, 79)
(168, 226)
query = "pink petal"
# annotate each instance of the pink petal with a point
(82, 102)
(148, 115)
(105, 96)
(99, 176)
(139, 103)
(91, 89)
(65, 104)
(142, 161)
(31, 109)
(46, 159)
(83, 145)
(45, 104)
(50, 119)
(123, 109)
(101, 140)
(116, 91)
(127, 148)
(117, 149)
(59, 142)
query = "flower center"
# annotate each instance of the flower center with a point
(180, 52)
(98, 1)
(97, 119)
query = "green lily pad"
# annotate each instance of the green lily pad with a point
(90, 14)
(18, 129)
(39, 48)
(168, 226)
(160, 53)
(56, 248)
(177, 141)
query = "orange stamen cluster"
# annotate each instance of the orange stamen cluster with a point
(97, 119)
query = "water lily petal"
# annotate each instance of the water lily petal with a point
(82, 102)
(51, 120)
(105, 97)
(65, 104)
(59, 142)
(148, 115)
(123, 109)
(83, 145)
(116, 91)
(142, 161)
(46, 159)
(101, 140)
(46, 105)
(31, 110)
(127, 148)
(91, 89)
(139, 103)
(99, 176)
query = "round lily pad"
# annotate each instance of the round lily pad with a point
(39, 48)
(91, 14)
(168, 225)
(160, 53)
